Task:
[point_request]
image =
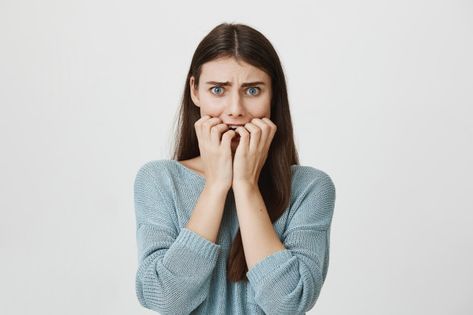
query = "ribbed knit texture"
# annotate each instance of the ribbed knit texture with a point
(181, 272)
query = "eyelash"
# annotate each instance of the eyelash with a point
(251, 87)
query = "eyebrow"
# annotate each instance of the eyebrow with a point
(226, 83)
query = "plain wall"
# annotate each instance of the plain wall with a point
(381, 100)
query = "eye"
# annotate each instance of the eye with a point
(256, 89)
(216, 87)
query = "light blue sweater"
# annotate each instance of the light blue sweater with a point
(181, 272)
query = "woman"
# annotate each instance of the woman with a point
(233, 224)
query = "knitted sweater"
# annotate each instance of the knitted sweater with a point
(181, 272)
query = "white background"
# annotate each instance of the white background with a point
(381, 99)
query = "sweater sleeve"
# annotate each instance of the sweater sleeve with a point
(289, 281)
(174, 265)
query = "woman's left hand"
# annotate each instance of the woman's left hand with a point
(252, 151)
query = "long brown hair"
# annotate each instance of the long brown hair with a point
(244, 42)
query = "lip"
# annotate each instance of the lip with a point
(234, 127)
(242, 123)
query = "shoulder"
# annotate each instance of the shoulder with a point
(153, 196)
(306, 177)
(157, 171)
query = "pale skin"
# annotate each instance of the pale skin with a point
(236, 164)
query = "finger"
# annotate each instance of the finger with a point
(227, 138)
(255, 136)
(265, 132)
(271, 124)
(198, 124)
(199, 121)
(244, 137)
(216, 132)
(209, 123)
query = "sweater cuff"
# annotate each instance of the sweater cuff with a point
(197, 244)
(268, 265)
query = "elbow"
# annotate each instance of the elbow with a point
(167, 300)
(292, 307)
(300, 301)
(144, 301)
(161, 308)
(155, 301)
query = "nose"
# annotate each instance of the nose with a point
(235, 105)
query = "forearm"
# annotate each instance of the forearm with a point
(162, 281)
(208, 211)
(258, 235)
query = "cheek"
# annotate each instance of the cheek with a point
(260, 112)
(210, 106)
(260, 107)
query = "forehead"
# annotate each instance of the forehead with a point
(228, 69)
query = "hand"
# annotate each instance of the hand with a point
(216, 155)
(252, 151)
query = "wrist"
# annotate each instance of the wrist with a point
(217, 188)
(244, 185)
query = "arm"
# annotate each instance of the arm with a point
(207, 214)
(288, 281)
(257, 232)
(174, 265)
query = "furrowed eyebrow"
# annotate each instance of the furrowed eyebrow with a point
(226, 83)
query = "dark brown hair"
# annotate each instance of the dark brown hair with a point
(244, 43)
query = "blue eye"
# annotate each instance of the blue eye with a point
(216, 87)
(254, 88)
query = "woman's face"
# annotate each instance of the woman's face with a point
(235, 93)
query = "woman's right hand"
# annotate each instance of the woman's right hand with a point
(216, 155)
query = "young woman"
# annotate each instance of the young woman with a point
(233, 224)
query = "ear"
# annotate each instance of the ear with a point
(194, 92)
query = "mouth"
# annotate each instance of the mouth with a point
(236, 138)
